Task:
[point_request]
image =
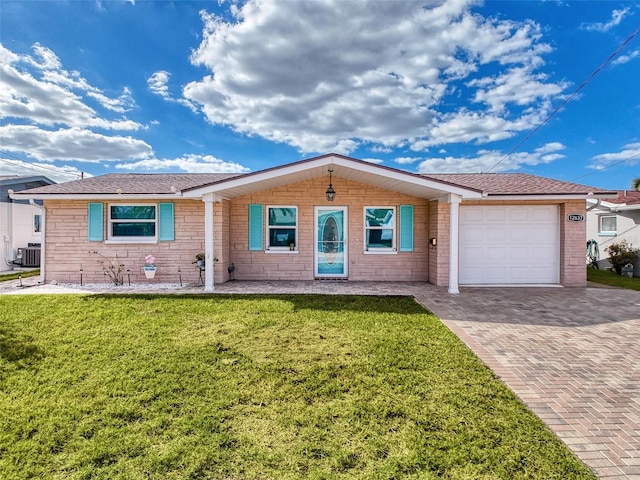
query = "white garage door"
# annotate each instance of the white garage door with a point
(509, 245)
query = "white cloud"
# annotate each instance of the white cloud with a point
(158, 84)
(324, 76)
(71, 144)
(48, 95)
(630, 153)
(186, 163)
(616, 17)
(58, 174)
(626, 58)
(406, 160)
(486, 159)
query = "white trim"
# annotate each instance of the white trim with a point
(208, 246)
(571, 196)
(379, 250)
(607, 233)
(310, 170)
(454, 242)
(94, 197)
(345, 237)
(111, 239)
(268, 227)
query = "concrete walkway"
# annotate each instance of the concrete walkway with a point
(572, 355)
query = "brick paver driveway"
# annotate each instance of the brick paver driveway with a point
(572, 355)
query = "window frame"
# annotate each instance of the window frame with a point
(132, 238)
(37, 223)
(603, 232)
(394, 230)
(269, 227)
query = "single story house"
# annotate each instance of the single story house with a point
(20, 222)
(328, 217)
(613, 220)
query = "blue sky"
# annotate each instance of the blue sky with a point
(447, 86)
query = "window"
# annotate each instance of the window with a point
(36, 223)
(132, 223)
(608, 225)
(379, 229)
(282, 228)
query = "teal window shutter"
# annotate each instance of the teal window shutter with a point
(255, 227)
(166, 229)
(95, 229)
(406, 228)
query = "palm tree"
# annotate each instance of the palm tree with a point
(635, 184)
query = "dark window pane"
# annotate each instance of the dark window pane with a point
(281, 237)
(142, 229)
(282, 216)
(140, 212)
(380, 238)
(379, 217)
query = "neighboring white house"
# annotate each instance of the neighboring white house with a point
(613, 220)
(20, 222)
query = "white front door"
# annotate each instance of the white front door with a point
(330, 256)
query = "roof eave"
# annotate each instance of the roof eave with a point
(548, 196)
(95, 196)
(315, 168)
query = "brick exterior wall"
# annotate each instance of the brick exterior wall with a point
(573, 245)
(67, 249)
(258, 265)
(439, 224)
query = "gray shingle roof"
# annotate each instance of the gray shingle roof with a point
(514, 184)
(167, 183)
(133, 183)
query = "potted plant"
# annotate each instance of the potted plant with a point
(149, 266)
(199, 259)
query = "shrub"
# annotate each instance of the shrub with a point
(620, 254)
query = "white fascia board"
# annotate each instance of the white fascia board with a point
(571, 196)
(97, 197)
(623, 208)
(328, 161)
(408, 177)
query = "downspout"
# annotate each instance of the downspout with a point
(43, 226)
(595, 205)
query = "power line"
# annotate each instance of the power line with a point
(569, 98)
(608, 166)
(35, 168)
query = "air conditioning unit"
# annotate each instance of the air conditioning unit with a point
(29, 257)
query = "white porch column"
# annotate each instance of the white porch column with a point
(208, 243)
(454, 242)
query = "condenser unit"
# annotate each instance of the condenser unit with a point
(29, 257)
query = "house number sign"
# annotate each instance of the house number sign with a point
(575, 217)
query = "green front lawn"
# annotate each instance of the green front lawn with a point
(5, 277)
(613, 279)
(255, 387)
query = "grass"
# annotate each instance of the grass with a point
(613, 279)
(255, 387)
(5, 277)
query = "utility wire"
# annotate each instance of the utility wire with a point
(569, 98)
(35, 168)
(608, 166)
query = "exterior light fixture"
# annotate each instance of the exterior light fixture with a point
(331, 193)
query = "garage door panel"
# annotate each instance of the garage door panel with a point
(509, 245)
(496, 234)
(498, 214)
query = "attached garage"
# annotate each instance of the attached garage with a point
(509, 245)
